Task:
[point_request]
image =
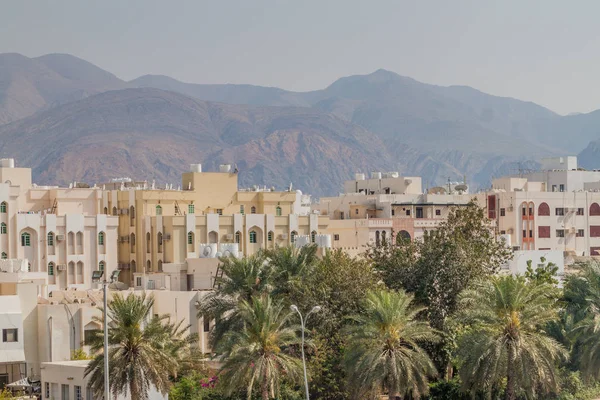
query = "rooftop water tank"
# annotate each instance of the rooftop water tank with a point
(359, 177)
(375, 175)
(195, 167)
(225, 168)
(7, 163)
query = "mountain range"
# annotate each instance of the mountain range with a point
(72, 121)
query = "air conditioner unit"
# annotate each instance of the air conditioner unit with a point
(510, 208)
(60, 238)
(283, 236)
(229, 236)
(167, 236)
(61, 267)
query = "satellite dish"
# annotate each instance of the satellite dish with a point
(206, 252)
(462, 187)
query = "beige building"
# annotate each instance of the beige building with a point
(59, 231)
(211, 216)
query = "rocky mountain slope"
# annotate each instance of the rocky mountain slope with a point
(71, 120)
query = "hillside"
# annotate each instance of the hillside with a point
(28, 85)
(154, 134)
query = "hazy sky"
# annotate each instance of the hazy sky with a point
(545, 51)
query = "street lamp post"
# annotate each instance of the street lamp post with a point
(96, 276)
(315, 309)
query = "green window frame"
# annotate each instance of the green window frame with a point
(158, 210)
(101, 266)
(50, 239)
(313, 236)
(51, 269)
(191, 209)
(3, 207)
(3, 228)
(278, 211)
(270, 236)
(101, 238)
(190, 237)
(25, 239)
(242, 209)
(252, 236)
(293, 236)
(4, 255)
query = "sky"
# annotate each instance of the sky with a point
(544, 51)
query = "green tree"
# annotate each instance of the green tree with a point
(505, 340)
(543, 273)
(144, 350)
(259, 351)
(384, 347)
(289, 266)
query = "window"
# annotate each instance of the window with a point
(3, 207)
(356, 211)
(313, 236)
(25, 239)
(106, 210)
(377, 240)
(191, 209)
(594, 209)
(132, 215)
(242, 209)
(4, 256)
(560, 233)
(10, 335)
(206, 323)
(270, 236)
(408, 213)
(530, 210)
(220, 211)
(278, 211)
(554, 188)
(50, 239)
(138, 281)
(159, 241)
(562, 187)
(252, 237)
(114, 211)
(3, 228)
(238, 237)
(253, 210)
(190, 238)
(544, 210)
(336, 237)
(560, 211)
(64, 389)
(47, 390)
(544, 232)
(419, 212)
(438, 212)
(158, 210)
(78, 395)
(524, 233)
(51, 269)
(101, 238)
(523, 211)
(503, 212)
(580, 211)
(293, 236)
(503, 232)
(101, 266)
(393, 212)
(132, 242)
(580, 233)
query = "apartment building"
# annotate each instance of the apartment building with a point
(60, 231)
(209, 216)
(561, 212)
(373, 210)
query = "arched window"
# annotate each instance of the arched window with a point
(132, 215)
(242, 209)
(158, 210)
(101, 238)
(133, 267)
(148, 266)
(148, 242)
(106, 210)
(190, 237)
(293, 236)
(3, 207)
(383, 236)
(402, 235)
(252, 210)
(160, 269)
(4, 256)
(114, 211)
(278, 211)
(544, 210)
(191, 209)
(3, 228)
(101, 266)
(313, 236)
(50, 239)
(377, 240)
(28, 267)
(252, 237)
(531, 208)
(594, 209)
(25, 239)
(51, 269)
(160, 241)
(238, 237)
(132, 242)
(270, 236)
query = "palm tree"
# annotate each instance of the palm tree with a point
(384, 346)
(144, 350)
(241, 279)
(506, 337)
(289, 265)
(258, 352)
